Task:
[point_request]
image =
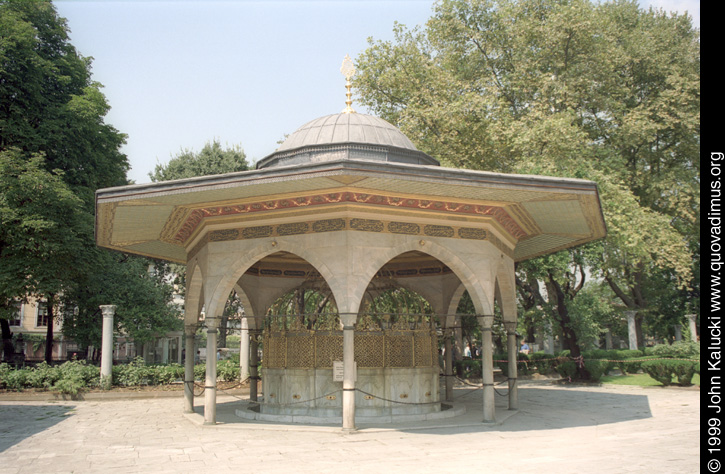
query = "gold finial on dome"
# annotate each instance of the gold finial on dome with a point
(348, 70)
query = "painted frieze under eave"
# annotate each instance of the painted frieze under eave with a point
(536, 215)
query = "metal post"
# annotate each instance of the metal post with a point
(190, 350)
(513, 349)
(348, 363)
(489, 407)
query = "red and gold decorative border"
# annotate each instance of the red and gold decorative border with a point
(195, 217)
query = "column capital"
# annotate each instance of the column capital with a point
(212, 322)
(348, 320)
(190, 329)
(510, 327)
(485, 321)
(108, 310)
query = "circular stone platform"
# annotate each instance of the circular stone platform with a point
(252, 411)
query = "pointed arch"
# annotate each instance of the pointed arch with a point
(481, 295)
(506, 289)
(237, 267)
(194, 298)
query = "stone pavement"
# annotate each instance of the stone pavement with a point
(562, 429)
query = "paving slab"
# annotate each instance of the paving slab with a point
(558, 428)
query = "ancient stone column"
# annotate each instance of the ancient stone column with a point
(513, 348)
(348, 365)
(678, 332)
(212, 323)
(693, 326)
(549, 339)
(489, 408)
(244, 349)
(108, 311)
(190, 350)
(632, 329)
(165, 350)
(448, 370)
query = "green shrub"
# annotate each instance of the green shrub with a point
(665, 370)
(228, 371)
(566, 369)
(78, 369)
(522, 364)
(598, 362)
(678, 350)
(469, 368)
(43, 376)
(166, 374)
(16, 379)
(200, 372)
(544, 363)
(628, 366)
(5, 369)
(132, 374)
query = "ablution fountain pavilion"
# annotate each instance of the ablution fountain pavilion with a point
(347, 206)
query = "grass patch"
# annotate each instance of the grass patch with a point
(641, 380)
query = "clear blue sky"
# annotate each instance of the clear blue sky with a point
(180, 73)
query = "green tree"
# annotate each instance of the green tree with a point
(45, 235)
(601, 91)
(49, 103)
(212, 159)
(56, 151)
(143, 298)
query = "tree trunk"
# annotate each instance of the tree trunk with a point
(568, 334)
(49, 332)
(223, 331)
(8, 348)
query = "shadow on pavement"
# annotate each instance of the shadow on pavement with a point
(18, 422)
(540, 408)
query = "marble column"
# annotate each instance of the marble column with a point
(632, 329)
(513, 349)
(165, 350)
(108, 312)
(448, 363)
(348, 321)
(549, 339)
(244, 350)
(212, 325)
(692, 319)
(489, 408)
(190, 350)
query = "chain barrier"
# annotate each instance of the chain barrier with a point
(578, 360)
(394, 401)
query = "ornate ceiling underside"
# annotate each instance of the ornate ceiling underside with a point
(524, 216)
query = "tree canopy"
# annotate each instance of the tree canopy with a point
(212, 159)
(49, 103)
(55, 151)
(573, 88)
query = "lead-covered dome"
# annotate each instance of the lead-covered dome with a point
(346, 136)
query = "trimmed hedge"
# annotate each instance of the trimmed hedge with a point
(666, 370)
